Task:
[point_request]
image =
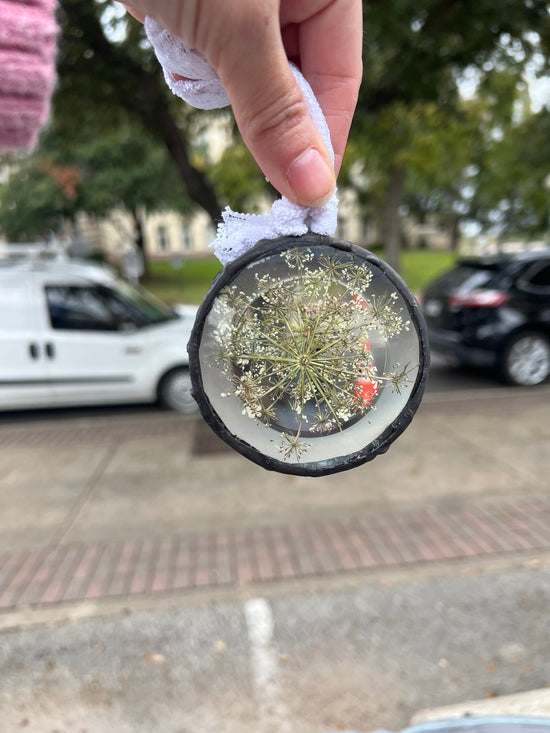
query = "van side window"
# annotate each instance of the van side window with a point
(78, 308)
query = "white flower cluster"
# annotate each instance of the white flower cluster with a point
(298, 349)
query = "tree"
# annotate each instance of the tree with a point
(239, 180)
(415, 55)
(440, 164)
(511, 193)
(36, 201)
(109, 78)
(126, 169)
(416, 49)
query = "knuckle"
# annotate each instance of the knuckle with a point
(280, 114)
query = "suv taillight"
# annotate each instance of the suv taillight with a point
(479, 299)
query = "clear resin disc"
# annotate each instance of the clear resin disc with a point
(309, 355)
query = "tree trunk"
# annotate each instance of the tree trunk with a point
(157, 117)
(140, 242)
(454, 232)
(391, 230)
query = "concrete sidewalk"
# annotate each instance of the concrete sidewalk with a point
(129, 505)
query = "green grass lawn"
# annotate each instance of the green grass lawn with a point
(189, 283)
(418, 268)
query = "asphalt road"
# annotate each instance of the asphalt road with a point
(359, 655)
(444, 377)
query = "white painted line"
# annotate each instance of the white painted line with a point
(272, 712)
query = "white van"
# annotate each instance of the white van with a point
(74, 333)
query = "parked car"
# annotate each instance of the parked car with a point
(74, 333)
(494, 312)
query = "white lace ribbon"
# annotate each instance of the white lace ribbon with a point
(201, 87)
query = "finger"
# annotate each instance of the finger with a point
(137, 15)
(166, 13)
(271, 113)
(330, 55)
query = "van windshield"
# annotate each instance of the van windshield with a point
(141, 303)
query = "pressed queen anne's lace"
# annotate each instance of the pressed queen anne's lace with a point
(298, 352)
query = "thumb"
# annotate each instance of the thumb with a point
(273, 119)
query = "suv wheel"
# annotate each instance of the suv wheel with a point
(527, 359)
(175, 391)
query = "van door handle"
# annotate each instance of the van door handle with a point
(50, 351)
(34, 351)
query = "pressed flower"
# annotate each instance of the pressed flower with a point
(303, 346)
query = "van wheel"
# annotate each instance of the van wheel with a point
(175, 391)
(526, 360)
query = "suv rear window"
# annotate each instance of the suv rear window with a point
(538, 277)
(467, 277)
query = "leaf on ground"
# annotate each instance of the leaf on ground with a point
(154, 658)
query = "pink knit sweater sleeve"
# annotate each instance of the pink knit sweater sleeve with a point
(27, 69)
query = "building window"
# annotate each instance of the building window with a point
(162, 239)
(186, 237)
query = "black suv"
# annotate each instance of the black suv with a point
(494, 312)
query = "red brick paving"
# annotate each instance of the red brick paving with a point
(137, 567)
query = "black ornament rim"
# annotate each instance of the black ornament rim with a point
(380, 445)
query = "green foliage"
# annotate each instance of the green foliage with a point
(125, 168)
(109, 77)
(414, 139)
(512, 191)
(35, 201)
(238, 179)
(415, 49)
(128, 168)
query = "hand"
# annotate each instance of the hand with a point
(249, 43)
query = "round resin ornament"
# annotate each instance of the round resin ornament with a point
(309, 355)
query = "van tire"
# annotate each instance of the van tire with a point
(174, 391)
